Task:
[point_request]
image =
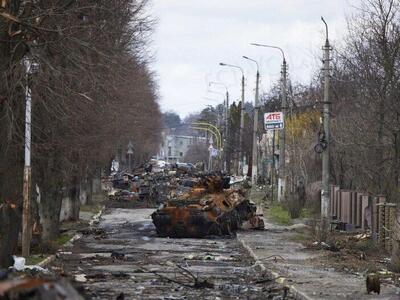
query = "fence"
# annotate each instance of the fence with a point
(353, 210)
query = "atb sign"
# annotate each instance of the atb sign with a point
(274, 120)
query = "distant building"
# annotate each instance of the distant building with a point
(174, 147)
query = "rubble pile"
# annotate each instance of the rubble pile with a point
(190, 203)
(37, 288)
(207, 206)
(150, 185)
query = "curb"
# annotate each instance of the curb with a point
(279, 279)
(94, 220)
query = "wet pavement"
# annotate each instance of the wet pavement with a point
(124, 259)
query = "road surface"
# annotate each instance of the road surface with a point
(124, 259)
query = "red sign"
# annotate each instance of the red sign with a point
(273, 120)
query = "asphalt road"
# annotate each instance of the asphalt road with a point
(124, 259)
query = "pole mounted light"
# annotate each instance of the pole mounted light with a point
(227, 164)
(326, 29)
(325, 192)
(218, 83)
(240, 154)
(282, 175)
(253, 60)
(270, 46)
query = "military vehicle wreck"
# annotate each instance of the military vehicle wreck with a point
(210, 207)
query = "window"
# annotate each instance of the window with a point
(169, 151)
(180, 154)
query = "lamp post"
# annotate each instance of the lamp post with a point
(210, 149)
(282, 175)
(129, 152)
(226, 115)
(325, 192)
(240, 158)
(27, 184)
(255, 125)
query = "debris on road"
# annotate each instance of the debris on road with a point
(37, 288)
(373, 283)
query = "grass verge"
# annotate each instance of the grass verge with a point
(35, 259)
(279, 215)
(62, 239)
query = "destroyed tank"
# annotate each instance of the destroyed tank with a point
(211, 207)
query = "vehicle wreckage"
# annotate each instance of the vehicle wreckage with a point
(210, 207)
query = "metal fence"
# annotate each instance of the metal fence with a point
(353, 210)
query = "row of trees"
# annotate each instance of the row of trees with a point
(92, 92)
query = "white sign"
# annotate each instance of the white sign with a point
(274, 120)
(213, 152)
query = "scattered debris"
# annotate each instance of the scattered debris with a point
(117, 255)
(80, 278)
(373, 283)
(36, 288)
(325, 246)
(3, 275)
(121, 296)
(209, 256)
(19, 263)
(195, 281)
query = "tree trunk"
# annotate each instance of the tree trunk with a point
(395, 261)
(10, 221)
(50, 206)
(74, 193)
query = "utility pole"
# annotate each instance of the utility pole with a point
(227, 156)
(273, 167)
(254, 171)
(241, 163)
(27, 184)
(130, 153)
(224, 136)
(210, 148)
(240, 155)
(226, 163)
(325, 192)
(282, 175)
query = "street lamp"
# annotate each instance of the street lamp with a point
(240, 158)
(27, 183)
(282, 177)
(256, 108)
(130, 152)
(31, 67)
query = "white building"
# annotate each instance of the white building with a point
(174, 147)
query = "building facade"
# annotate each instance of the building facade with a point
(174, 147)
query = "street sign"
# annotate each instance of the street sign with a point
(274, 120)
(214, 152)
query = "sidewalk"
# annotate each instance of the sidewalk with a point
(300, 268)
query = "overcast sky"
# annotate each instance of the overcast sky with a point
(193, 36)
